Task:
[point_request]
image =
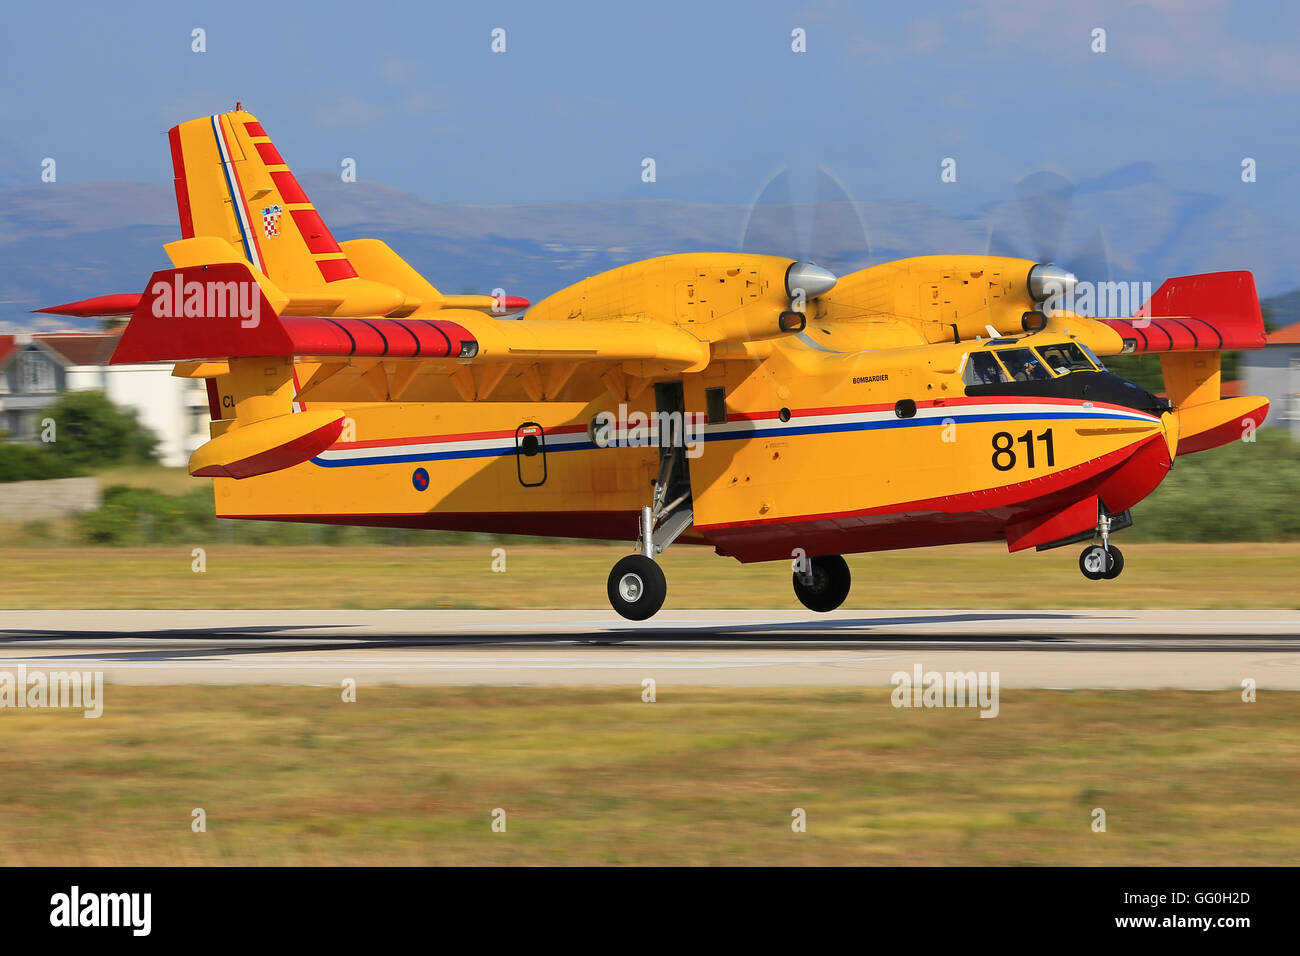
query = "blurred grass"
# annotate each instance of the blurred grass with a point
(171, 481)
(573, 576)
(587, 776)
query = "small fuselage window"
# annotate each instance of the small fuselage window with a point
(1024, 365)
(983, 369)
(1065, 358)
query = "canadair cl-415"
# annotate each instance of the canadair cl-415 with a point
(754, 403)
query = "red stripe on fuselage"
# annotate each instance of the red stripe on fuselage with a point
(734, 416)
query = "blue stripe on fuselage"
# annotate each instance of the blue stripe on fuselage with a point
(732, 436)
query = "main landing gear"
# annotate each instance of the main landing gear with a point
(636, 586)
(1104, 560)
(821, 584)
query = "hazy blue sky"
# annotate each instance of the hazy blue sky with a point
(712, 91)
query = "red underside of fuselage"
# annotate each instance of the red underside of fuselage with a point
(1120, 480)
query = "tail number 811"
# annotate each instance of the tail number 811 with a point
(1004, 449)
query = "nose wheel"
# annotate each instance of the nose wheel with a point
(823, 583)
(1104, 560)
(1098, 563)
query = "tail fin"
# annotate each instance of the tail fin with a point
(232, 184)
(239, 203)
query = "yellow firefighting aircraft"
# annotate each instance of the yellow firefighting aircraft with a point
(749, 402)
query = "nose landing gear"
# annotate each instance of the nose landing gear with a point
(1097, 562)
(1101, 561)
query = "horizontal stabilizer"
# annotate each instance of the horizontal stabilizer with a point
(220, 311)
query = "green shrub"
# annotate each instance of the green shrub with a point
(33, 463)
(1244, 491)
(139, 516)
(91, 430)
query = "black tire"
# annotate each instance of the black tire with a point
(830, 586)
(637, 587)
(1116, 564)
(1091, 562)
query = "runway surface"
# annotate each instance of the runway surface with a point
(1200, 650)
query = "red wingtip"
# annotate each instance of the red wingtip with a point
(120, 304)
(514, 303)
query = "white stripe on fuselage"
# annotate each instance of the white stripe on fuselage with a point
(739, 429)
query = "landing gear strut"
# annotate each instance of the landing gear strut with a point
(1104, 560)
(636, 585)
(823, 583)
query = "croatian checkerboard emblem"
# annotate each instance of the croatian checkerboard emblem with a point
(271, 220)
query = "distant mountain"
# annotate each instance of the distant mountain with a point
(64, 242)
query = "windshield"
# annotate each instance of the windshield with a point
(1023, 365)
(1065, 358)
(1093, 357)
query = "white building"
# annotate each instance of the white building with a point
(1274, 372)
(34, 369)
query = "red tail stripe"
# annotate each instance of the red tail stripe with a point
(182, 190)
(335, 269)
(289, 189)
(314, 232)
(270, 155)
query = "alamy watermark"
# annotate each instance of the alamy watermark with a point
(48, 689)
(636, 429)
(946, 689)
(1102, 300)
(207, 300)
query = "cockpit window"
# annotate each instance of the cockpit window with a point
(1023, 365)
(983, 369)
(1093, 357)
(1065, 358)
